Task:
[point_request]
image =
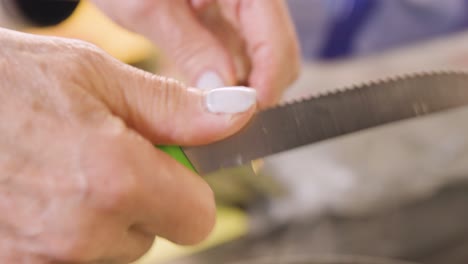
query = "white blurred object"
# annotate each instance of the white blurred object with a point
(377, 168)
(374, 25)
(371, 169)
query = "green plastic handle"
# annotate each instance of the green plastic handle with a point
(177, 153)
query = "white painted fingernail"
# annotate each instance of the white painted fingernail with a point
(230, 100)
(210, 80)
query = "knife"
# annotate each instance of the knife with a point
(327, 116)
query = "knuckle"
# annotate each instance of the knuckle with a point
(70, 250)
(170, 94)
(204, 218)
(115, 190)
(117, 193)
(293, 57)
(78, 48)
(296, 71)
(142, 246)
(86, 48)
(86, 56)
(209, 210)
(112, 178)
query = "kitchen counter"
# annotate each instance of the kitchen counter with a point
(431, 231)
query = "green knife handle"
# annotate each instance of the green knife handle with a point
(177, 153)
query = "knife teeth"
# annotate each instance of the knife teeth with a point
(376, 82)
(339, 112)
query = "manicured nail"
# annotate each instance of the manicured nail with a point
(230, 100)
(210, 80)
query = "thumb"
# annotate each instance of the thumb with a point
(167, 112)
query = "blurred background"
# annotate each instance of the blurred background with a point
(398, 192)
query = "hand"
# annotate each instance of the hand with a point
(218, 43)
(81, 181)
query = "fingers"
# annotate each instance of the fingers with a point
(151, 194)
(174, 27)
(193, 49)
(174, 202)
(204, 49)
(131, 246)
(167, 112)
(271, 44)
(213, 20)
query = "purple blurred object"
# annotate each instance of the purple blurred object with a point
(339, 28)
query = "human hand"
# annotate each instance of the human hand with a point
(81, 181)
(217, 43)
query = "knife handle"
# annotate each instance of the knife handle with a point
(177, 153)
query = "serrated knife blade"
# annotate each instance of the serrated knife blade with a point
(331, 115)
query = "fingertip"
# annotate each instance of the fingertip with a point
(200, 224)
(173, 202)
(269, 97)
(269, 88)
(193, 212)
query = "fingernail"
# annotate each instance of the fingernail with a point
(210, 80)
(230, 100)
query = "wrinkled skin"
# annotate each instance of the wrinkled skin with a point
(80, 179)
(245, 41)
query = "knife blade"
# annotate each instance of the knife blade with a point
(334, 114)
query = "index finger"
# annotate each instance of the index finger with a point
(271, 42)
(175, 203)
